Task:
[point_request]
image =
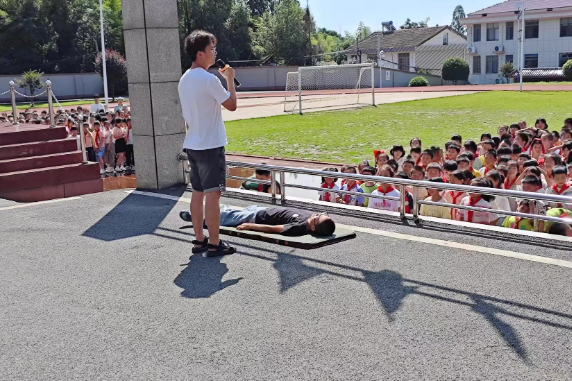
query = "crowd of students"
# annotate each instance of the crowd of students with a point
(107, 135)
(528, 159)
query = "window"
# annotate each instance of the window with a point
(530, 61)
(403, 61)
(531, 29)
(509, 58)
(477, 65)
(446, 39)
(510, 30)
(564, 57)
(492, 65)
(566, 27)
(477, 33)
(493, 32)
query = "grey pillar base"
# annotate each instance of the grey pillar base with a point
(154, 69)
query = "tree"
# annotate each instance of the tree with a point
(239, 33)
(363, 31)
(281, 34)
(260, 7)
(455, 69)
(567, 70)
(31, 80)
(411, 25)
(116, 71)
(506, 70)
(458, 14)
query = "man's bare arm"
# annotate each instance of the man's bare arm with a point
(277, 229)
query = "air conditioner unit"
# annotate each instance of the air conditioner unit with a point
(499, 49)
(472, 50)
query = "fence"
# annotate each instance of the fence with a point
(278, 174)
(51, 115)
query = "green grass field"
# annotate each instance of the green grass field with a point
(352, 135)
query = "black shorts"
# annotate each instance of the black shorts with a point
(120, 145)
(208, 169)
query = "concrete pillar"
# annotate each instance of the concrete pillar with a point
(151, 30)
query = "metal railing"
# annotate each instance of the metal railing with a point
(280, 171)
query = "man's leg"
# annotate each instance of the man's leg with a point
(212, 214)
(197, 199)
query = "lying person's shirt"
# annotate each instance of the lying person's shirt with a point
(295, 221)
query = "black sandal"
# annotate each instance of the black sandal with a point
(221, 249)
(200, 246)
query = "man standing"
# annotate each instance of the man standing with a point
(96, 107)
(202, 94)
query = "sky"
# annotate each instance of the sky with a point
(345, 15)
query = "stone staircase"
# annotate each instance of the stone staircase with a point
(38, 163)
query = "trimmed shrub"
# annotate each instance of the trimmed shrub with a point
(455, 69)
(567, 69)
(418, 82)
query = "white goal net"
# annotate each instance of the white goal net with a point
(326, 87)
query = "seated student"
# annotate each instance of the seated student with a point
(408, 166)
(285, 221)
(381, 160)
(455, 197)
(393, 164)
(522, 158)
(350, 186)
(435, 196)
(449, 167)
(560, 229)
(536, 149)
(364, 163)
(513, 129)
(385, 189)
(490, 162)
(260, 174)
(415, 142)
(398, 154)
(434, 170)
(500, 202)
(458, 140)
(545, 226)
(464, 162)
(504, 151)
(524, 140)
(551, 160)
(329, 194)
(478, 200)
(547, 140)
(560, 187)
(415, 154)
(519, 223)
(516, 151)
(426, 158)
(437, 154)
(453, 150)
(471, 146)
(418, 174)
(502, 130)
(368, 186)
(503, 161)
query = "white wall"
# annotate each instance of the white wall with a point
(64, 86)
(454, 39)
(548, 46)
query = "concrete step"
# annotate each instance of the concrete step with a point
(53, 192)
(16, 151)
(36, 162)
(45, 177)
(28, 135)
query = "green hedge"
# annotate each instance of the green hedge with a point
(567, 69)
(418, 82)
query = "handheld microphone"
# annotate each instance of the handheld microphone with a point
(221, 65)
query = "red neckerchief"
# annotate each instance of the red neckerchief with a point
(359, 183)
(470, 213)
(418, 161)
(259, 187)
(518, 221)
(96, 138)
(508, 185)
(455, 196)
(389, 189)
(560, 191)
(348, 197)
(444, 179)
(327, 195)
(407, 206)
(487, 170)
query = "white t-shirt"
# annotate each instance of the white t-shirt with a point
(96, 108)
(201, 95)
(478, 217)
(332, 195)
(389, 205)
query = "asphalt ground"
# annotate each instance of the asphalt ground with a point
(104, 287)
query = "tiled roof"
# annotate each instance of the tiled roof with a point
(510, 6)
(401, 40)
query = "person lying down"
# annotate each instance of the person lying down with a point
(284, 221)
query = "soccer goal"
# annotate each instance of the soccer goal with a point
(326, 87)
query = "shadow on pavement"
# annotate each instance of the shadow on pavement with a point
(134, 216)
(202, 278)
